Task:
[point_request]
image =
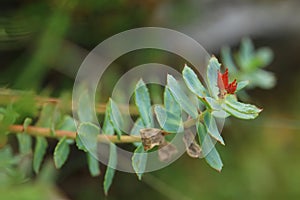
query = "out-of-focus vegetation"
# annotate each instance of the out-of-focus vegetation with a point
(42, 41)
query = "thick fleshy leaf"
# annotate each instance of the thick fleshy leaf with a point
(239, 114)
(213, 103)
(24, 140)
(67, 124)
(110, 171)
(264, 56)
(26, 123)
(50, 117)
(211, 154)
(231, 101)
(85, 109)
(143, 103)
(169, 117)
(115, 117)
(139, 161)
(263, 79)
(108, 129)
(168, 121)
(246, 54)
(170, 102)
(39, 152)
(79, 144)
(8, 117)
(87, 133)
(212, 77)
(192, 82)
(93, 165)
(61, 152)
(87, 141)
(241, 85)
(217, 110)
(138, 125)
(227, 60)
(211, 126)
(181, 97)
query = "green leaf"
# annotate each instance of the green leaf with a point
(49, 117)
(231, 101)
(246, 54)
(61, 152)
(24, 140)
(67, 124)
(240, 110)
(26, 105)
(143, 103)
(7, 157)
(110, 171)
(216, 109)
(239, 114)
(169, 117)
(181, 97)
(115, 117)
(93, 165)
(264, 57)
(108, 129)
(211, 154)
(26, 123)
(212, 77)
(263, 79)
(8, 117)
(88, 133)
(139, 161)
(85, 109)
(79, 144)
(170, 102)
(227, 60)
(39, 152)
(46, 115)
(87, 140)
(211, 127)
(192, 82)
(167, 120)
(241, 85)
(138, 125)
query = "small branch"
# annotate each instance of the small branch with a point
(7, 96)
(46, 132)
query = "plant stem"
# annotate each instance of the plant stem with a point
(46, 132)
(8, 96)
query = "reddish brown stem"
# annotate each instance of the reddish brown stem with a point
(46, 132)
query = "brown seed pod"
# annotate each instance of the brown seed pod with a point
(192, 148)
(151, 137)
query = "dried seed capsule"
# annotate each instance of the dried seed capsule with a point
(151, 137)
(192, 148)
(166, 151)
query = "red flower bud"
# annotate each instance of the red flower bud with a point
(223, 84)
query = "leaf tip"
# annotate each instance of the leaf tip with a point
(140, 83)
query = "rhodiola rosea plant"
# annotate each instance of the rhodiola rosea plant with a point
(191, 104)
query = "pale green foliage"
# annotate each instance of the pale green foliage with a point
(247, 64)
(181, 103)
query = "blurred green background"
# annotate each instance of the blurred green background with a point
(42, 44)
